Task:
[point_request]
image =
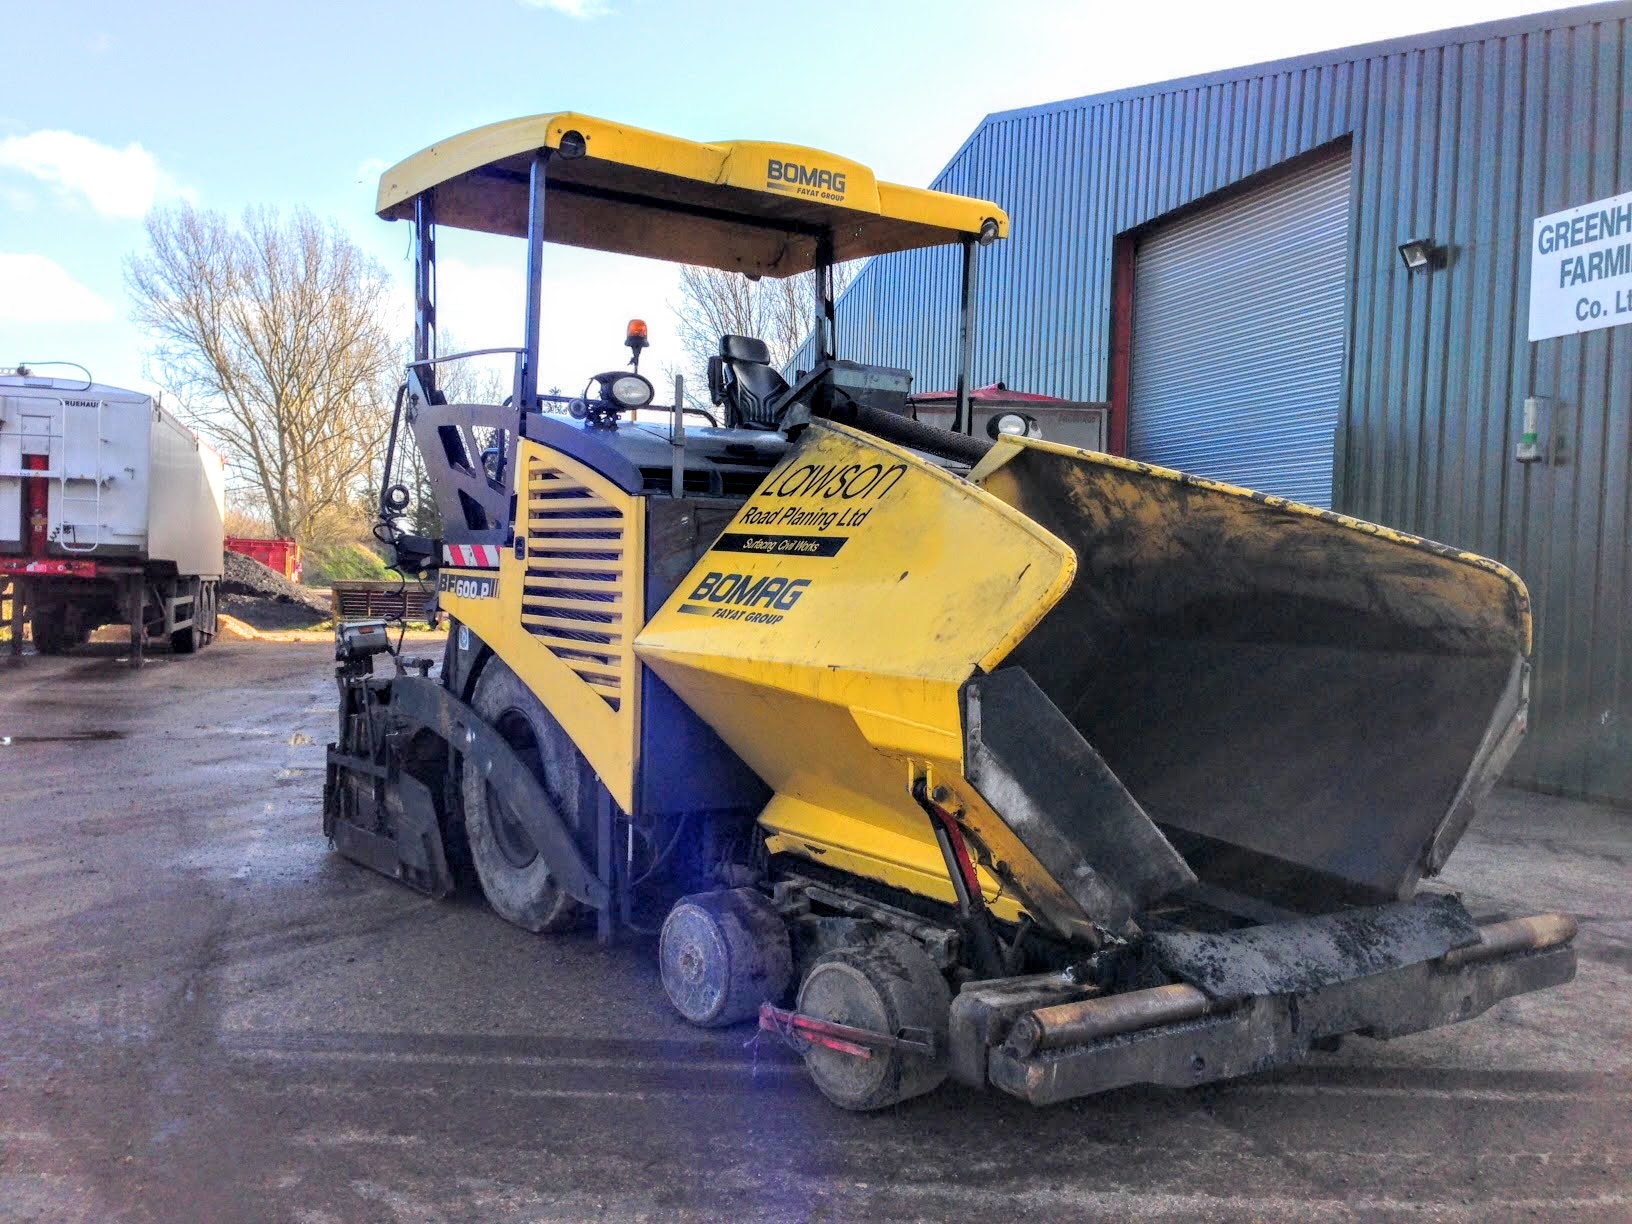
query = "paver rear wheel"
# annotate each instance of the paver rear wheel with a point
(516, 880)
(884, 987)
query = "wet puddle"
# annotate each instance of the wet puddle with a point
(67, 737)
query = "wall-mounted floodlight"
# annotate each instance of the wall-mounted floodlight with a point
(1421, 253)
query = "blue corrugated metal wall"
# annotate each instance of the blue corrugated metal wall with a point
(1464, 136)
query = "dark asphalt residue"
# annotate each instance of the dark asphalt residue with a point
(264, 598)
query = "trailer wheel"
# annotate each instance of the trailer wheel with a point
(204, 613)
(186, 641)
(56, 630)
(722, 954)
(515, 878)
(48, 636)
(884, 986)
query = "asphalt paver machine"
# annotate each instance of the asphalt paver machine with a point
(934, 754)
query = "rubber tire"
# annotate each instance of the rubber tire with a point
(528, 896)
(207, 605)
(721, 954)
(884, 986)
(186, 641)
(50, 632)
(58, 628)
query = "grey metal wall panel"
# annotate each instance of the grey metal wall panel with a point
(1238, 332)
(1463, 136)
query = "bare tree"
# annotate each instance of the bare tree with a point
(714, 303)
(471, 381)
(274, 336)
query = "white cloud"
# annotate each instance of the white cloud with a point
(35, 289)
(583, 10)
(115, 182)
(16, 199)
(370, 169)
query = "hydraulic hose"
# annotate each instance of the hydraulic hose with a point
(904, 431)
(391, 452)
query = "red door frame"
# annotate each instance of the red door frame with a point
(1122, 252)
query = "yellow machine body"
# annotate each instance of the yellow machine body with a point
(1276, 688)
(833, 663)
(921, 732)
(1120, 681)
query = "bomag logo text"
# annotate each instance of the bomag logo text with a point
(746, 591)
(794, 174)
(759, 601)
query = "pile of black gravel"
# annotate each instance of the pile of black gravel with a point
(264, 598)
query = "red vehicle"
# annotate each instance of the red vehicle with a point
(278, 554)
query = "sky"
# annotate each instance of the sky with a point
(111, 109)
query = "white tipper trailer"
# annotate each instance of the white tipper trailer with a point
(110, 512)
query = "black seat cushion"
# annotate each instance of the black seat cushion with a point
(754, 387)
(744, 348)
(751, 384)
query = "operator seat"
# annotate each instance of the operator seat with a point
(741, 379)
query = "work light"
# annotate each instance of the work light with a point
(631, 391)
(1018, 424)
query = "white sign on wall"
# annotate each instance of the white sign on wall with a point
(1581, 268)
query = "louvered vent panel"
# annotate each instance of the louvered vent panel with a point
(573, 600)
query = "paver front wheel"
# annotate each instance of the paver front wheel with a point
(722, 954)
(884, 986)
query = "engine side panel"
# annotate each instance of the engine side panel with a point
(564, 614)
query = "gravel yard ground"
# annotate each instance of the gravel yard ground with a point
(208, 1015)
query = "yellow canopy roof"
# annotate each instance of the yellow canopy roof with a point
(743, 205)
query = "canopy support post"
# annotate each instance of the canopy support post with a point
(963, 418)
(827, 338)
(425, 285)
(526, 393)
(677, 440)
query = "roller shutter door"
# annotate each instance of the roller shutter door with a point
(1238, 332)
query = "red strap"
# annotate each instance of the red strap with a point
(37, 500)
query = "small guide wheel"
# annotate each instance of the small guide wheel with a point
(722, 954)
(886, 986)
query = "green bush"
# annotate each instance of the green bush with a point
(323, 565)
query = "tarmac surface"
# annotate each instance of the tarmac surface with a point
(207, 1015)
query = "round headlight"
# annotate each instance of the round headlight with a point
(1017, 424)
(631, 391)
